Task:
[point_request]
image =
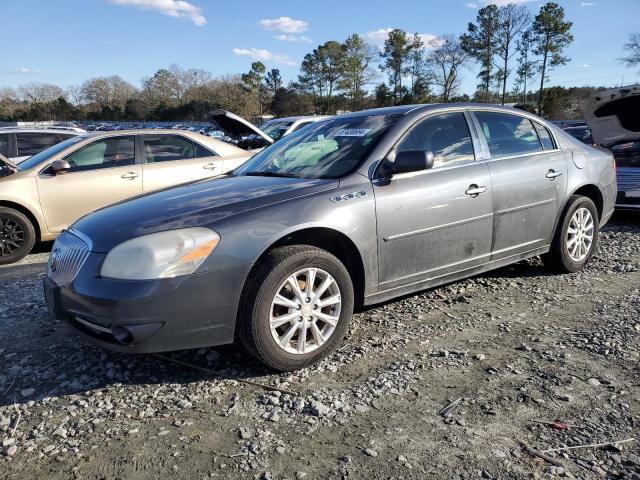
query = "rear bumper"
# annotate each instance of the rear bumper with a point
(192, 311)
(628, 197)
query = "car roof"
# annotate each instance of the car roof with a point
(218, 145)
(405, 109)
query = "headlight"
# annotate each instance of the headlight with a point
(160, 255)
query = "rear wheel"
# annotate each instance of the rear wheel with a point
(576, 237)
(296, 308)
(17, 235)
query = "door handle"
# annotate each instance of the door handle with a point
(474, 190)
(129, 176)
(551, 174)
(209, 166)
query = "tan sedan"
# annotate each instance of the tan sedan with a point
(49, 191)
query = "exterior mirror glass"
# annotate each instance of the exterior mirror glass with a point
(60, 166)
(412, 161)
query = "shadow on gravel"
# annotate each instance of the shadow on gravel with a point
(80, 368)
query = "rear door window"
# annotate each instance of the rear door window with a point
(4, 144)
(168, 148)
(545, 137)
(508, 135)
(32, 143)
(447, 136)
(103, 153)
(202, 152)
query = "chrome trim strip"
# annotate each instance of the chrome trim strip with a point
(529, 205)
(520, 155)
(398, 236)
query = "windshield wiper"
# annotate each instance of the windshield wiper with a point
(271, 174)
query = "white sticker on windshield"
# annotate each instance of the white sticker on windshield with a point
(352, 132)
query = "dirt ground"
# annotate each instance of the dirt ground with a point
(507, 350)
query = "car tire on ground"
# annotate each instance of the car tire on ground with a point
(576, 236)
(17, 236)
(295, 307)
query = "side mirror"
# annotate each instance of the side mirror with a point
(412, 161)
(60, 166)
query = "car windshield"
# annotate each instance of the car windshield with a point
(38, 158)
(276, 128)
(330, 149)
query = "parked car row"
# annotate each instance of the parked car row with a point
(352, 210)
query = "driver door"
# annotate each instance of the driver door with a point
(102, 172)
(430, 222)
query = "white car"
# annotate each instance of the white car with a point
(250, 137)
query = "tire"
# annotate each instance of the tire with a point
(563, 259)
(258, 306)
(17, 236)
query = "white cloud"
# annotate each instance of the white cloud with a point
(264, 55)
(172, 8)
(587, 4)
(284, 24)
(471, 5)
(378, 37)
(25, 71)
(287, 37)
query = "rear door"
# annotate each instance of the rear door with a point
(102, 172)
(438, 221)
(174, 159)
(528, 173)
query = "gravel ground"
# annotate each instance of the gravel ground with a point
(507, 351)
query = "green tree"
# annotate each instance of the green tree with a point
(551, 35)
(357, 71)
(252, 83)
(273, 81)
(395, 61)
(480, 44)
(513, 20)
(526, 63)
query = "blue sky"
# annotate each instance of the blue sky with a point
(66, 42)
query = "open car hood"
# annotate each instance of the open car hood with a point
(235, 125)
(613, 116)
(7, 167)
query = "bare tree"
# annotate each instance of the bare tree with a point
(39, 93)
(107, 92)
(74, 93)
(446, 60)
(512, 21)
(632, 49)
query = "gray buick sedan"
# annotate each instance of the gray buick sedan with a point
(354, 210)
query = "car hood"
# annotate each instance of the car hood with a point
(612, 115)
(235, 125)
(191, 205)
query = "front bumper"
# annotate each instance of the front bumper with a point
(192, 311)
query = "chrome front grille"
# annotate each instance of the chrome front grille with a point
(67, 257)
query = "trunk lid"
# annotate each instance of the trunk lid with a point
(613, 116)
(236, 125)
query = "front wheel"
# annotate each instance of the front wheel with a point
(296, 308)
(17, 236)
(577, 236)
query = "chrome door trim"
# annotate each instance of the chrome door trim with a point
(523, 207)
(399, 236)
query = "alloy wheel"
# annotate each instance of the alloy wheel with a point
(11, 236)
(305, 311)
(580, 234)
